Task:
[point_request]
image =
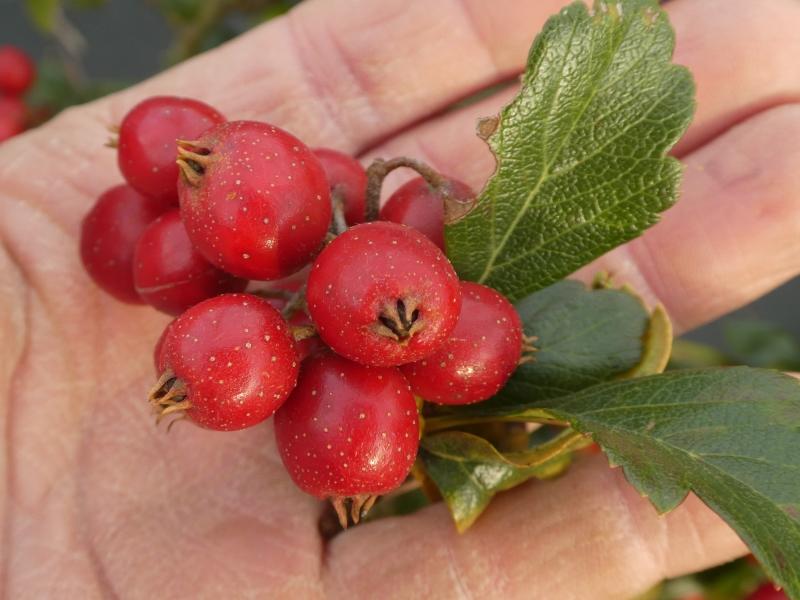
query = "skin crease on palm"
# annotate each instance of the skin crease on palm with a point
(99, 503)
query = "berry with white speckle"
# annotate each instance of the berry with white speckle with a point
(419, 205)
(480, 356)
(170, 275)
(109, 234)
(147, 135)
(382, 294)
(254, 199)
(348, 431)
(347, 178)
(227, 363)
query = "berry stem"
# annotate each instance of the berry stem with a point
(338, 223)
(380, 168)
(272, 294)
(566, 441)
(294, 303)
(303, 332)
(533, 415)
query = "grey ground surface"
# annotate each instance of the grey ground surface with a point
(127, 40)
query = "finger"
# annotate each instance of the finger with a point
(743, 56)
(735, 233)
(349, 72)
(586, 535)
(725, 54)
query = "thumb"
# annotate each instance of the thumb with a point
(586, 535)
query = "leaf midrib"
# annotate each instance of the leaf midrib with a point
(543, 177)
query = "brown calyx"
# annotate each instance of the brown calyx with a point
(113, 138)
(193, 160)
(167, 397)
(399, 320)
(359, 507)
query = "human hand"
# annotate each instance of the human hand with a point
(100, 503)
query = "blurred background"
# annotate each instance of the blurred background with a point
(84, 49)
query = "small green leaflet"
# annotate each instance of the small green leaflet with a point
(730, 435)
(583, 337)
(469, 471)
(581, 151)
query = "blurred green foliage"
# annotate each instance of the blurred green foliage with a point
(746, 342)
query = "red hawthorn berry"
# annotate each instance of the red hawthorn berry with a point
(160, 345)
(254, 199)
(227, 363)
(347, 178)
(108, 238)
(13, 117)
(348, 431)
(169, 274)
(147, 137)
(768, 592)
(421, 206)
(382, 294)
(17, 71)
(480, 356)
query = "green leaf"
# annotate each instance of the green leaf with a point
(730, 435)
(469, 471)
(581, 164)
(657, 346)
(583, 337)
(43, 13)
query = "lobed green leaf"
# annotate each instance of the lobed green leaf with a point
(581, 151)
(730, 435)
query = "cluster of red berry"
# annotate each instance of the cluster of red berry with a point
(17, 73)
(379, 318)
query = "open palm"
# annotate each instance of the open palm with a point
(99, 503)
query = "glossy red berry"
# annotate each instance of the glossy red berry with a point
(17, 71)
(160, 345)
(109, 235)
(146, 148)
(348, 431)
(348, 178)
(480, 356)
(768, 592)
(254, 199)
(13, 117)
(382, 294)
(227, 363)
(169, 274)
(421, 206)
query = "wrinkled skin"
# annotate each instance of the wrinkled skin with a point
(97, 502)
